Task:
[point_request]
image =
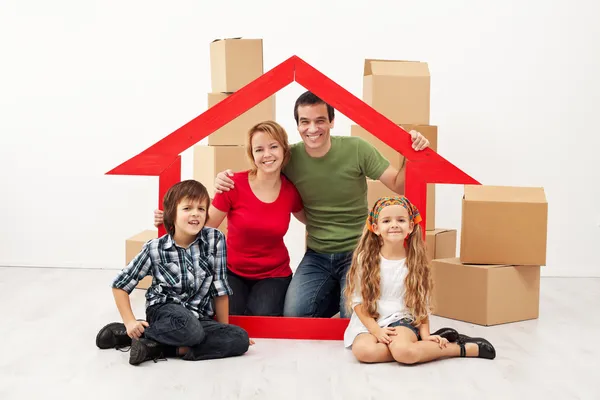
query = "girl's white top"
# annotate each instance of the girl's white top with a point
(390, 306)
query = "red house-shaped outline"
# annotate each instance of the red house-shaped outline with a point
(163, 160)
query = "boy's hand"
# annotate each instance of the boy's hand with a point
(443, 342)
(135, 328)
(158, 217)
(222, 182)
(383, 334)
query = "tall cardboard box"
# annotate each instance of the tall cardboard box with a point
(235, 132)
(376, 189)
(504, 225)
(234, 63)
(400, 90)
(485, 294)
(396, 159)
(210, 160)
(441, 243)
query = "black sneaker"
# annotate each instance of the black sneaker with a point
(448, 333)
(145, 350)
(113, 336)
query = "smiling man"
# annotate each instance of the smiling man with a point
(330, 174)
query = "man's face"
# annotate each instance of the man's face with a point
(314, 126)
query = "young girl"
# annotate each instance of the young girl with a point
(389, 291)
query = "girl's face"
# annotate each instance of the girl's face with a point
(393, 224)
(267, 153)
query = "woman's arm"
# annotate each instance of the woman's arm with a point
(215, 217)
(300, 216)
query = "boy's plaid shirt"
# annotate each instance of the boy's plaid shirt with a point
(190, 277)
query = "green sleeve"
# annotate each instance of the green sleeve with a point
(372, 162)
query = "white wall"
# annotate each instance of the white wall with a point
(86, 85)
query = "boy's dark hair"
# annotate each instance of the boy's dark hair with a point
(190, 189)
(308, 99)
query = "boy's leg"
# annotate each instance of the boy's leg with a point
(267, 297)
(173, 325)
(313, 288)
(239, 299)
(222, 340)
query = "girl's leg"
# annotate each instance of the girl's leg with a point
(406, 349)
(366, 349)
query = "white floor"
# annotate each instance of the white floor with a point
(50, 318)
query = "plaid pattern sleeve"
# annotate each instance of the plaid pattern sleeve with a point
(220, 286)
(135, 271)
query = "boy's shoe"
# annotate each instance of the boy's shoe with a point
(448, 333)
(113, 336)
(145, 350)
(486, 350)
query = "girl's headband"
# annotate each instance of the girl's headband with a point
(413, 213)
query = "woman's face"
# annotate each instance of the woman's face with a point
(267, 153)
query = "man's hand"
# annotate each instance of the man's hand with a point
(135, 328)
(222, 182)
(158, 218)
(419, 141)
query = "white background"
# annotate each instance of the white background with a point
(85, 85)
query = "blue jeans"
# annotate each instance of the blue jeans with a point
(174, 325)
(264, 297)
(318, 285)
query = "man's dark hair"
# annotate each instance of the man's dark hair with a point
(309, 99)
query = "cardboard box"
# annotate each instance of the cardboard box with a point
(133, 246)
(504, 225)
(396, 159)
(485, 294)
(210, 160)
(234, 63)
(441, 243)
(400, 90)
(235, 133)
(376, 189)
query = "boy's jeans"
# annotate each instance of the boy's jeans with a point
(318, 284)
(174, 325)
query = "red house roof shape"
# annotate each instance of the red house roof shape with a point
(163, 159)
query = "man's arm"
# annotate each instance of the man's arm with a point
(393, 179)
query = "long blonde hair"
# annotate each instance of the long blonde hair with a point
(366, 267)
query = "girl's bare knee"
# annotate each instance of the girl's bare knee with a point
(363, 353)
(405, 353)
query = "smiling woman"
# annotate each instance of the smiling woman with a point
(258, 216)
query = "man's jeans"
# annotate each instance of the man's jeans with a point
(174, 325)
(318, 285)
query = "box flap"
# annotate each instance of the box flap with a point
(233, 38)
(505, 194)
(456, 261)
(395, 68)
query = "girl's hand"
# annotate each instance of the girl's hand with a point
(443, 342)
(383, 334)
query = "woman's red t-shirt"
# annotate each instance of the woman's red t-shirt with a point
(255, 229)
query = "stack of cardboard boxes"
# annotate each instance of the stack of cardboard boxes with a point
(233, 64)
(400, 90)
(496, 279)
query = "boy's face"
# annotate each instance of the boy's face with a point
(314, 125)
(191, 216)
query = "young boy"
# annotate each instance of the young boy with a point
(188, 266)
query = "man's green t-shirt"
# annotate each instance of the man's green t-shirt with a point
(334, 190)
